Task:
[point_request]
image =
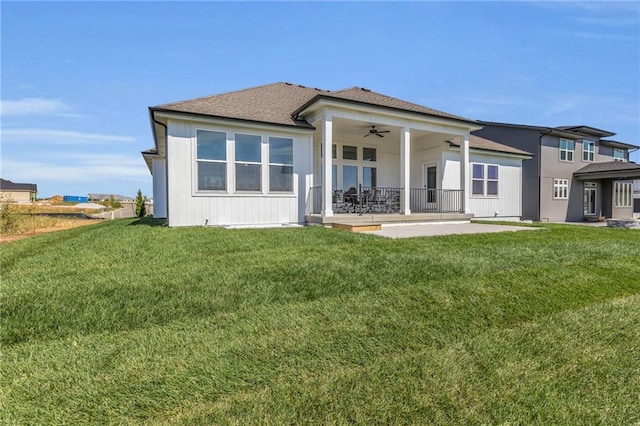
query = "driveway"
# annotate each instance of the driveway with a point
(434, 229)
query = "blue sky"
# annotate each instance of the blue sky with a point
(77, 77)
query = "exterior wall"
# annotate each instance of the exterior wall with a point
(508, 203)
(159, 172)
(527, 140)
(188, 207)
(17, 195)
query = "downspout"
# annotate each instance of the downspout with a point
(166, 158)
(540, 171)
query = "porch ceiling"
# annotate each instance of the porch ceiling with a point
(355, 131)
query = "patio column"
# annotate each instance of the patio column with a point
(405, 177)
(327, 143)
(464, 173)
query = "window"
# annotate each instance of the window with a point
(369, 154)
(566, 149)
(280, 164)
(349, 152)
(619, 155)
(369, 178)
(484, 180)
(349, 178)
(477, 185)
(588, 151)
(622, 194)
(248, 162)
(211, 156)
(560, 189)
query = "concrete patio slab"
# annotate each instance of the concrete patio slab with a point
(434, 229)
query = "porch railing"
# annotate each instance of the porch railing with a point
(425, 200)
(379, 200)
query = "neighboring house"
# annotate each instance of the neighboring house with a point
(290, 154)
(575, 174)
(636, 198)
(18, 191)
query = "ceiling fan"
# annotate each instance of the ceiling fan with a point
(374, 131)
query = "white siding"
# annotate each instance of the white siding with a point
(187, 207)
(508, 203)
(159, 172)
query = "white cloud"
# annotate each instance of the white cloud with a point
(35, 106)
(60, 137)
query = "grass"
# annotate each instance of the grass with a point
(128, 322)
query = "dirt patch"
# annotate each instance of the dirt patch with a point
(59, 226)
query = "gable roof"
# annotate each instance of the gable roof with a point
(587, 130)
(477, 142)
(7, 185)
(280, 103)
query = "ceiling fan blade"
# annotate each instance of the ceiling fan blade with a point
(378, 134)
(383, 131)
(367, 134)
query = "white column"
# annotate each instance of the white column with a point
(464, 172)
(327, 143)
(405, 177)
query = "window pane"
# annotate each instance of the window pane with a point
(478, 171)
(248, 148)
(281, 178)
(248, 177)
(334, 177)
(563, 144)
(211, 145)
(281, 150)
(369, 154)
(334, 151)
(492, 187)
(349, 152)
(478, 187)
(492, 172)
(349, 177)
(212, 176)
(370, 177)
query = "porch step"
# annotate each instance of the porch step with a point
(357, 227)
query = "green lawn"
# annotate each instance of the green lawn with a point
(127, 322)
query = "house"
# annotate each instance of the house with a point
(289, 154)
(576, 172)
(17, 191)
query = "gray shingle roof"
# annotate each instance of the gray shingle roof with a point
(7, 185)
(609, 166)
(277, 103)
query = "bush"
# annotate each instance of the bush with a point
(8, 217)
(141, 209)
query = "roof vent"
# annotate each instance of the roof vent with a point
(288, 84)
(300, 85)
(364, 89)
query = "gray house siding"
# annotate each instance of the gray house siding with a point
(526, 140)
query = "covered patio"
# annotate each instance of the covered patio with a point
(385, 162)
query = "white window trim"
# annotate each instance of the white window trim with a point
(231, 162)
(591, 151)
(566, 151)
(269, 164)
(260, 163)
(623, 158)
(360, 163)
(196, 160)
(485, 180)
(563, 186)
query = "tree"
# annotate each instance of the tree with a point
(141, 209)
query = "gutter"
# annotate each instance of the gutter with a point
(166, 155)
